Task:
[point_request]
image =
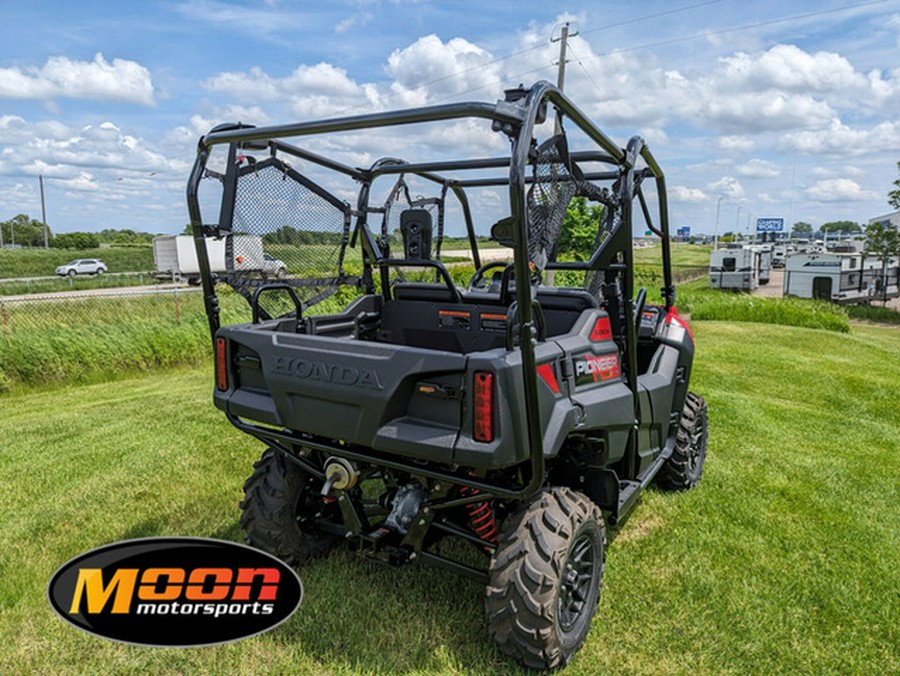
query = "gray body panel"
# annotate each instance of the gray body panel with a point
(417, 402)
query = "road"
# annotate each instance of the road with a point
(10, 280)
(775, 287)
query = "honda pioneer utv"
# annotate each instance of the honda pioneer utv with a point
(520, 410)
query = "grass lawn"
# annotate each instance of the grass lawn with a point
(784, 559)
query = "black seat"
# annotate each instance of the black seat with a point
(434, 292)
(566, 299)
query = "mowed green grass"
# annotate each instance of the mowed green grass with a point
(784, 559)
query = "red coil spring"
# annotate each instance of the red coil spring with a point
(481, 516)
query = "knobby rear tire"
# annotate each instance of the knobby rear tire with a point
(278, 497)
(682, 471)
(545, 578)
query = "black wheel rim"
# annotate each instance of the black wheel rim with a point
(576, 582)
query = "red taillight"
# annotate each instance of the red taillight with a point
(221, 365)
(484, 407)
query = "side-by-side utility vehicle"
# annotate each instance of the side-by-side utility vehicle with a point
(456, 348)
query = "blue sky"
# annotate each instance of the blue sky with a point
(780, 109)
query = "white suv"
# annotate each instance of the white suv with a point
(82, 266)
(274, 266)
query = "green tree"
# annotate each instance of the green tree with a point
(883, 242)
(802, 228)
(22, 230)
(578, 236)
(841, 226)
(894, 195)
(75, 240)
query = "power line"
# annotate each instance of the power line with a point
(651, 16)
(759, 24)
(647, 17)
(661, 43)
(541, 45)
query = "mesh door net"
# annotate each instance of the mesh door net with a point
(285, 230)
(553, 188)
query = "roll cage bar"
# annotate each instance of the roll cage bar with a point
(516, 116)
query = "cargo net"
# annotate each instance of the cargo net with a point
(413, 228)
(288, 235)
(552, 189)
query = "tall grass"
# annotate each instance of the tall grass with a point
(704, 303)
(873, 313)
(84, 339)
(781, 311)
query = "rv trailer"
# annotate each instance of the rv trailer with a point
(841, 277)
(734, 269)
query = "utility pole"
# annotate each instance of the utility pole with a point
(718, 207)
(44, 212)
(560, 83)
(561, 73)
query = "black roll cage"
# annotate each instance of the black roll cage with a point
(517, 117)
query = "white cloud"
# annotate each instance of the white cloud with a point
(775, 111)
(740, 144)
(355, 21)
(839, 190)
(446, 68)
(727, 186)
(83, 182)
(83, 158)
(839, 139)
(122, 80)
(654, 136)
(309, 91)
(757, 168)
(788, 68)
(680, 193)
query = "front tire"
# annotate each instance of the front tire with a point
(545, 578)
(72, 272)
(682, 471)
(280, 501)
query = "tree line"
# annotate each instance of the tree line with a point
(24, 231)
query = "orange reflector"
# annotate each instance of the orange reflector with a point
(483, 395)
(602, 330)
(221, 365)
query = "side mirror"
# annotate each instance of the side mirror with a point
(502, 232)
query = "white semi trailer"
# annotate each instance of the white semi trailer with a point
(175, 257)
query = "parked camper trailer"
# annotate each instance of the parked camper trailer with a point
(840, 277)
(764, 261)
(735, 268)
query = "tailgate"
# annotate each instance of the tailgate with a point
(359, 392)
